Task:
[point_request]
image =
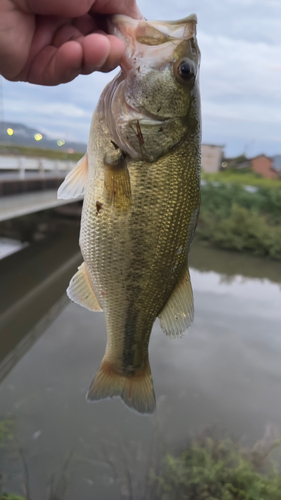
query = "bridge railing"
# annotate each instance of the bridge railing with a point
(22, 164)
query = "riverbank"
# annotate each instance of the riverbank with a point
(241, 177)
(242, 217)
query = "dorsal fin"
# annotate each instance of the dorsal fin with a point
(74, 183)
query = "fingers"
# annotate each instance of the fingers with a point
(77, 28)
(55, 65)
(61, 47)
(64, 34)
(64, 8)
(85, 24)
(98, 56)
(127, 7)
(116, 52)
(73, 8)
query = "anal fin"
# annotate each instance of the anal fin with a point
(81, 291)
(74, 183)
(178, 313)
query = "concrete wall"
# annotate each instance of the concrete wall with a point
(211, 158)
(262, 165)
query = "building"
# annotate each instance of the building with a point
(211, 158)
(276, 164)
(263, 165)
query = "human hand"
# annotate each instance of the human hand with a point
(49, 42)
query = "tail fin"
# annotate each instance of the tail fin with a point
(136, 390)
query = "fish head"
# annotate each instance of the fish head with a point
(156, 102)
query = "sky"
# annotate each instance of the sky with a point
(240, 80)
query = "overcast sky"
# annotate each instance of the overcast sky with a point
(240, 42)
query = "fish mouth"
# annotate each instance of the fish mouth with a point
(146, 37)
(125, 27)
(122, 26)
(142, 116)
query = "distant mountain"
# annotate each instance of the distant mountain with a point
(24, 136)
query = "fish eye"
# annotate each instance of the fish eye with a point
(186, 70)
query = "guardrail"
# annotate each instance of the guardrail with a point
(22, 164)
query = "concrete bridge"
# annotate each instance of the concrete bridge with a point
(29, 185)
(34, 280)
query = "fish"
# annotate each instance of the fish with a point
(141, 183)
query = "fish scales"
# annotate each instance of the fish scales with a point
(131, 271)
(138, 220)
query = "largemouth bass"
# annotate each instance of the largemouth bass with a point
(141, 183)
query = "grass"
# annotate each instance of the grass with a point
(7, 496)
(243, 177)
(51, 154)
(6, 434)
(6, 427)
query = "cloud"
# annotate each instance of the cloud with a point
(240, 86)
(240, 41)
(65, 110)
(240, 69)
(53, 109)
(265, 3)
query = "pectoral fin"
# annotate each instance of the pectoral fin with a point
(74, 183)
(178, 313)
(117, 189)
(80, 290)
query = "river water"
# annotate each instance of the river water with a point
(225, 371)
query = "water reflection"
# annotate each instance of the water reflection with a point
(229, 264)
(9, 246)
(227, 370)
(33, 281)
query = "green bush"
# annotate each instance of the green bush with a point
(216, 470)
(233, 218)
